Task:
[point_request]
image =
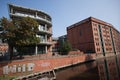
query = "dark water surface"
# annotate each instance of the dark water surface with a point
(101, 69)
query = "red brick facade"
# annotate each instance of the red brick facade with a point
(25, 67)
(94, 36)
(108, 68)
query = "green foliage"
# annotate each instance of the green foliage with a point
(66, 47)
(19, 32)
(5, 77)
(8, 30)
(26, 32)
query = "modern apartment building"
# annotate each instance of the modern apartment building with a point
(92, 35)
(45, 26)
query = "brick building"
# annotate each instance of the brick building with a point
(92, 35)
(45, 26)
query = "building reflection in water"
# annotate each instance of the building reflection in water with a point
(101, 69)
(79, 72)
(109, 68)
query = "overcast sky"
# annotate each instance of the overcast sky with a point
(67, 12)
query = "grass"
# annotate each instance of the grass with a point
(7, 77)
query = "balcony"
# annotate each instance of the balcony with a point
(45, 43)
(43, 29)
(44, 32)
(44, 40)
(39, 18)
(32, 16)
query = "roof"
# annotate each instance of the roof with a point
(12, 5)
(90, 19)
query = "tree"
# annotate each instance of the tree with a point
(19, 32)
(8, 33)
(66, 47)
(26, 33)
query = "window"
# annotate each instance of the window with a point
(94, 24)
(42, 38)
(96, 39)
(97, 44)
(41, 27)
(95, 29)
(110, 49)
(106, 49)
(96, 34)
(109, 44)
(98, 49)
(80, 32)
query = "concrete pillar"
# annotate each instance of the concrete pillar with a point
(11, 10)
(45, 27)
(46, 38)
(36, 14)
(36, 50)
(45, 49)
(45, 17)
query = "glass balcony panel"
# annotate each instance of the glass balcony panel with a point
(22, 14)
(44, 29)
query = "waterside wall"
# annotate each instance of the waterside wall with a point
(36, 65)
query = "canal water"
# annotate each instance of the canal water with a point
(101, 69)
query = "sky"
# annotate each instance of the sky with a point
(67, 12)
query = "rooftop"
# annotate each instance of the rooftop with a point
(17, 6)
(90, 19)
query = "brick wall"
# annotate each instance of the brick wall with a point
(81, 37)
(25, 67)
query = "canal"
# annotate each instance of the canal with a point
(101, 69)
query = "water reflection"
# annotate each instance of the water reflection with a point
(109, 68)
(101, 69)
(80, 72)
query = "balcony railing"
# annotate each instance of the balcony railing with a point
(32, 16)
(43, 19)
(44, 31)
(45, 42)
